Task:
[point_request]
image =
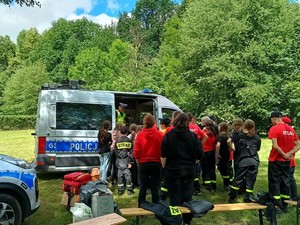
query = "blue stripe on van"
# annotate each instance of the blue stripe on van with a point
(71, 146)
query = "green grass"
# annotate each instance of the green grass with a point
(21, 144)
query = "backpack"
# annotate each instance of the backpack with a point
(73, 181)
(86, 191)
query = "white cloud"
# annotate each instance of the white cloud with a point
(113, 5)
(15, 18)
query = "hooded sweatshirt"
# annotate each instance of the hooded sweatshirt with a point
(181, 148)
(147, 146)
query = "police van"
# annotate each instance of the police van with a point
(69, 118)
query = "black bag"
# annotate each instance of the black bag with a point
(198, 208)
(86, 191)
(166, 214)
(265, 198)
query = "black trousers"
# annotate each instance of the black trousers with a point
(149, 177)
(180, 191)
(225, 167)
(293, 185)
(124, 173)
(279, 179)
(208, 164)
(247, 174)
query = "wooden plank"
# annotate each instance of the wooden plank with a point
(291, 202)
(237, 206)
(217, 208)
(110, 219)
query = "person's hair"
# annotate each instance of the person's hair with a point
(205, 119)
(174, 114)
(104, 129)
(249, 127)
(148, 121)
(124, 130)
(93, 168)
(139, 128)
(133, 129)
(238, 121)
(190, 115)
(213, 118)
(223, 128)
(181, 121)
(118, 126)
(209, 126)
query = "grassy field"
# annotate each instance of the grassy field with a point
(21, 144)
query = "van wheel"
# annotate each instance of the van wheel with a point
(10, 210)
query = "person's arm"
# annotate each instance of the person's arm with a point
(204, 139)
(230, 145)
(278, 149)
(295, 149)
(218, 145)
(163, 161)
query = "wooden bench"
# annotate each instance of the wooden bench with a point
(136, 213)
(109, 219)
(294, 203)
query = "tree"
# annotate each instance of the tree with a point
(59, 46)
(21, 91)
(92, 66)
(7, 51)
(27, 42)
(237, 55)
(29, 3)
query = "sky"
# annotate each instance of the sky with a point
(14, 19)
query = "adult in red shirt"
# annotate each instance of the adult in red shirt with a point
(284, 145)
(147, 151)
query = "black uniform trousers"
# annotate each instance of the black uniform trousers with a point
(279, 179)
(208, 164)
(180, 191)
(124, 173)
(247, 174)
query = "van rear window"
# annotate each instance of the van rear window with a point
(77, 116)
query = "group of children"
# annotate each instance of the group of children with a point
(220, 146)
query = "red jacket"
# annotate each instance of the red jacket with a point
(147, 146)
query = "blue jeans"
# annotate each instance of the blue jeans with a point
(104, 163)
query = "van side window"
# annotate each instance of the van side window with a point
(79, 116)
(167, 113)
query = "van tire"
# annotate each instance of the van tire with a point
(10, 209)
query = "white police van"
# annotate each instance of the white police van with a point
(68, 120)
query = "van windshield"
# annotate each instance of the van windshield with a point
(78, 116)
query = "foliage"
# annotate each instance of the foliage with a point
(22, 89)
(26, 43)
(7, 51)
(59, 46)
(239, 55)
(29, 3)
(16, 122)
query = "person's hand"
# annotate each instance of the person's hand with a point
(286, 156)
(129, 166)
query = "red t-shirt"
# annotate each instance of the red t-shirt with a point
(210, 144)
(197, 130)
(147, 145)
(169, 128)
(285, 136)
